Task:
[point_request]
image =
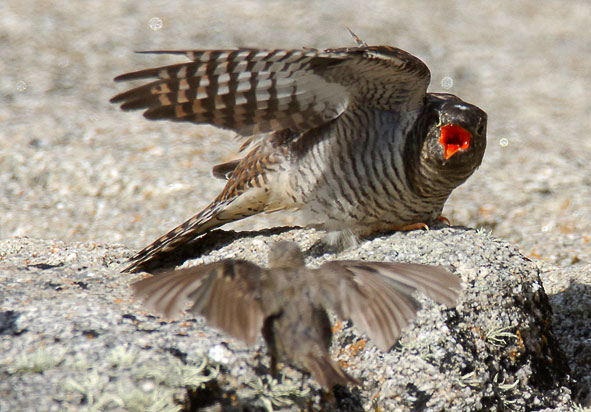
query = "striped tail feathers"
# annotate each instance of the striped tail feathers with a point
(233, 204)
(148, 258)
(248, 192)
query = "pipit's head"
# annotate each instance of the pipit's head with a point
(285, 254)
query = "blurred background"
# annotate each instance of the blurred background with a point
(74, 167)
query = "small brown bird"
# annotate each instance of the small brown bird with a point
(349, 136)
(288, 303)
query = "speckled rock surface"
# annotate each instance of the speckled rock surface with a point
(96, 347)
(73, 168)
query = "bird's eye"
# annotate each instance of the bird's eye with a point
(480, 129)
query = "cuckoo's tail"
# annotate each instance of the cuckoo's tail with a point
(327, 373)
(158, 254)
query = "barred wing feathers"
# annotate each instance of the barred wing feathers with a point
(254, 91)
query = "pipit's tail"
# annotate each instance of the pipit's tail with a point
(327, 373)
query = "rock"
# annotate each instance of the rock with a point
(72, 336)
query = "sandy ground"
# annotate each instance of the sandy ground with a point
(75, 168)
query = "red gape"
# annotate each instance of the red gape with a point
(454, 138)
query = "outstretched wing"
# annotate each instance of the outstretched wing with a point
(252, 91)
(226, 293)
(377, 296)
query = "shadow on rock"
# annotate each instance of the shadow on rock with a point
(572, 316)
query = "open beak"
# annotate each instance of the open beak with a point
(454, 138)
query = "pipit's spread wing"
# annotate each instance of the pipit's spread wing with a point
(378, 296)
(225, 292)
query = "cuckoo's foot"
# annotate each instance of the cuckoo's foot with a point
(412, 226)
(443, 219)
(378, 228)
(388, 228)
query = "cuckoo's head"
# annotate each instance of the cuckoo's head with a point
(448, 144)
(456, 134)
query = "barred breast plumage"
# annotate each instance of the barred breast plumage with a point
(349, 136)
